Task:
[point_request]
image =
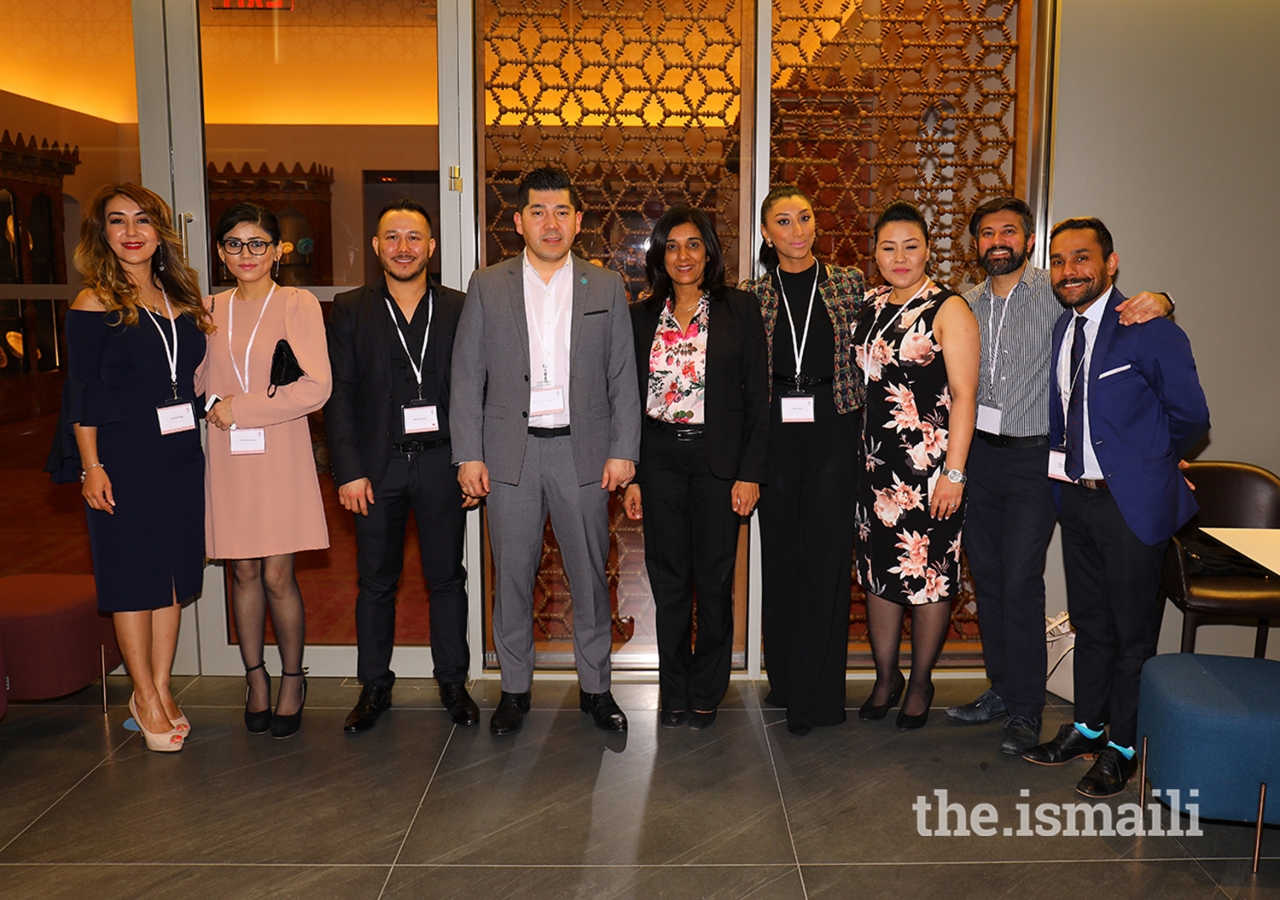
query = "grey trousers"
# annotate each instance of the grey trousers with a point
(580, 520)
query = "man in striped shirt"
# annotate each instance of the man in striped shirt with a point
(1010, 513)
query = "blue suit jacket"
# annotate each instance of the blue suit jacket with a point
(1146, 412)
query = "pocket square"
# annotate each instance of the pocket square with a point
(1114, 371)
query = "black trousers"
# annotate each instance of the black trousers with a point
(690, 544)
(427, 484)
(1008, 523)
(806, 535)
(1113, 595)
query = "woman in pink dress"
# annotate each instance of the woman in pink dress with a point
(262, 496)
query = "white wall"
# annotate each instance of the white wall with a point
(1167, 127)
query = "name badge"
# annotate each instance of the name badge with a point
(988, 419)
(1058, 466)
(176, 416)
(544, 401)
(419, 416)
(797, 408)
(248, 441)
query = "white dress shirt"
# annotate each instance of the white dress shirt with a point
(548, 310)
(1093, 318)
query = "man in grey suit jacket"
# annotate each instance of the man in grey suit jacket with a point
(546, 418)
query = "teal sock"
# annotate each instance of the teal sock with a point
(1087, 731)
(1127, 751)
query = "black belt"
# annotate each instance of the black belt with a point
(419, 446)
(562, 431)
(1016, 443)
(1093, 484)
(803, 380)
(679, 432)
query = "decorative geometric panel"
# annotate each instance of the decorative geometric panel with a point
(876, 100)
(639, 100)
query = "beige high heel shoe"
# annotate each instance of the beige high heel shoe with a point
(159, 742)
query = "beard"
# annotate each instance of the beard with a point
(997, 267)
(1091, 289)
(412, 274)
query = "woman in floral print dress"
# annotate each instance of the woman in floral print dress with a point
(918, 353)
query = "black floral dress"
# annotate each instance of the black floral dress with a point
(904, 554)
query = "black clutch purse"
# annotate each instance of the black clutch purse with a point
(284, 367)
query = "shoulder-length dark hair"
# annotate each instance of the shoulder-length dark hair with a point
(106, 277)
(655, 268)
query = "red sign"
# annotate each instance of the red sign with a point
(252, 4)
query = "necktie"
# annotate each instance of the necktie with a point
(1075, 405)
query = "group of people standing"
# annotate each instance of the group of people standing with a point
(864, 425)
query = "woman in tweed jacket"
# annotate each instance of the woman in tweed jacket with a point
(806, 509)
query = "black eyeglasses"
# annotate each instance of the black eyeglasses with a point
(233, 246)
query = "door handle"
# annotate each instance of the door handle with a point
(185, 219)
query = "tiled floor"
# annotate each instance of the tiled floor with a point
(419, 808)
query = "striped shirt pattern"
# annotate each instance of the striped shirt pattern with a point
(1019, 387)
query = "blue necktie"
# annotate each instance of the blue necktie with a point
(1075, 405)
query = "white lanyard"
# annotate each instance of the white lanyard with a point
(995, 349)
(798, 348)
(422, 358)
(879, 334)
(1084, 356)
(170, 353)
(231, 315)
(537, 329)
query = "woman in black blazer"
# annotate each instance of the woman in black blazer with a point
(704, 385)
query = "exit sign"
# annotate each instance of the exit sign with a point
(252, 4)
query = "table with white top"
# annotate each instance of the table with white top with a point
(1262, 545)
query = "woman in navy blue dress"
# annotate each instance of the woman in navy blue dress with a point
(129, 431)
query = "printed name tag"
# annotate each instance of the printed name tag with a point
(1058, 466)
(248, 441)
(797, 409)
(418, 419)
(176, 416)
(544, 401)
(988, 419)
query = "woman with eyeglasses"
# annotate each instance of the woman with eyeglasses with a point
(262, 495)
(129, 434)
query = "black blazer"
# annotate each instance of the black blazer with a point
(737, 401)
(360, 414)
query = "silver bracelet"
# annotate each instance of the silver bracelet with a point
(96, 465)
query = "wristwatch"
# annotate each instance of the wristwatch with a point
(955, 476)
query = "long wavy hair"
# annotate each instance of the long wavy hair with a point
(107, 278)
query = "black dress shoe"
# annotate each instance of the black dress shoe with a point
(1108, 776)
(462, 709)
(700, 720)
(1068, 745)
(1021, 733)
(603, 709)
(374, 700)
(509, 715)
(672, 718)
(798, 729)
(870, 713)
(987, 707)
(918, 721)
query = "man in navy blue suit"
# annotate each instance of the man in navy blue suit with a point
(1125, 404)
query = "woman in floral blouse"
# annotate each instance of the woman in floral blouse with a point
(918, 353)
(700, 357)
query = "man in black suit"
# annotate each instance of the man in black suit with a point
(387, 424)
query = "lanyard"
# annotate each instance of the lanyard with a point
(170, 353)
(798, 348)
(995, 349)
(537, 330)
(879, 334)
(231, 316)
(422, 357)
(1084, 356)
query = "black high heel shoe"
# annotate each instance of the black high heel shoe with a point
(905, 721)
(869, 712)
(257, 722)
(287, 726)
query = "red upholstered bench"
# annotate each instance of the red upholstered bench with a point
(52, 638)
